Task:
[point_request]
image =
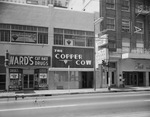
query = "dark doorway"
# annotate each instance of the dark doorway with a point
(134, 78)
(149, 78)
(2, 82)
(28, 81)
(87, 79)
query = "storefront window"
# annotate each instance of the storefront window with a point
(23, 34)
(73, 37)
(43, 81)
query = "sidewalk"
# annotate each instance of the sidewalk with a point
(36, 93)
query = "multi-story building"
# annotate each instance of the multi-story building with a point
(47, 46)
(126, 25)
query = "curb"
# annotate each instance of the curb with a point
(68, 93)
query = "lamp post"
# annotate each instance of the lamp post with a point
(98, 20)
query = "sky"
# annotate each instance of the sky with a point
(78, 5)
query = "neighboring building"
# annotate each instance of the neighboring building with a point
(49, 47)
(58, 3)
(127, 24)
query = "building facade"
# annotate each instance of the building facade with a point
(47, 47)
(126, 22)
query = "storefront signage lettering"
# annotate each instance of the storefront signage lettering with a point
(74, 57)
(139, 66)
(18, 60)
(148, 67)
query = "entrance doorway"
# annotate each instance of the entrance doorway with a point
(87, 79)
(134, 78)
(28, 81)
(2, 82)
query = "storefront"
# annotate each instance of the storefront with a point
(136, 72)
(28, 72)
(71, 68)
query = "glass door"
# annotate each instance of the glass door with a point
(31, 81)
(28, 81)
(134, 79)
(25, 80)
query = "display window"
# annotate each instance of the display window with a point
(41, 78)
(15, 76)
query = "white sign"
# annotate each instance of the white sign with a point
(101, 54)
(42, 75)
(14, 76)
(103, 40)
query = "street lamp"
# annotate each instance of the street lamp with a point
(98, 20)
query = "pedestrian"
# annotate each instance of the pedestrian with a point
(121, 81)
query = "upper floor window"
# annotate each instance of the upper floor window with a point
(125, 5)
(110, 22)
(125, 25)
(4, 33)
(110, 4)
(23, 34)
(139, 27)
(73, 37)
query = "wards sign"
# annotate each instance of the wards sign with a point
(18, 60)
(74, 57)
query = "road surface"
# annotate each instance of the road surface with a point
(126, 104)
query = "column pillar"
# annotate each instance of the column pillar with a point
(147, 79)
(7, 78)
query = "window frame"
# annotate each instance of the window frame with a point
(122, 5)
(111, 4)
(111, 24)
(25, 29)
(126, 23)
(76, 36)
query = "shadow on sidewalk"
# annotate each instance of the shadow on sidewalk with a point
(25, 91)
(128, 87)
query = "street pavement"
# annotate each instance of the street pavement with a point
(36, 93)
(120, 104)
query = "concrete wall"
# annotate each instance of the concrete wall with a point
(70, 19)
(24, 14)
(46, 16)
